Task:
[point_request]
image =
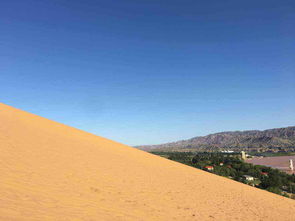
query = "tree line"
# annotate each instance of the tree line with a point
(232, 166)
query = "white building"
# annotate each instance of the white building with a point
(291, 165)
(243, 155)
(248, 178)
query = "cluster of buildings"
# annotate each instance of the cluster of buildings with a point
(230, 153)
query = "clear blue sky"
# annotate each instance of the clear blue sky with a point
(150, 71)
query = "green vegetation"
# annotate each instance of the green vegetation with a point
(232, 166)
(273, 154)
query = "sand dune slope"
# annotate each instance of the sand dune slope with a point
(49, 171)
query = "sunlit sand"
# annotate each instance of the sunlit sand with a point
(50, 171)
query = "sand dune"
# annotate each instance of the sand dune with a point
(50, 171)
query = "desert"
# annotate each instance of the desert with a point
(50, 171)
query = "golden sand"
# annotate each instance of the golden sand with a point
(49, 171)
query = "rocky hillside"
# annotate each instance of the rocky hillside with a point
(273, 139)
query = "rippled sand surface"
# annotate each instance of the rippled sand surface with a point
(50, 171)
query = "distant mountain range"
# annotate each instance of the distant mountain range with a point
(267, 140)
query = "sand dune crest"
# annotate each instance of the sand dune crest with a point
(50, 171)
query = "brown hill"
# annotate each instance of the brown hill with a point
(251, 140)
(50, 171)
